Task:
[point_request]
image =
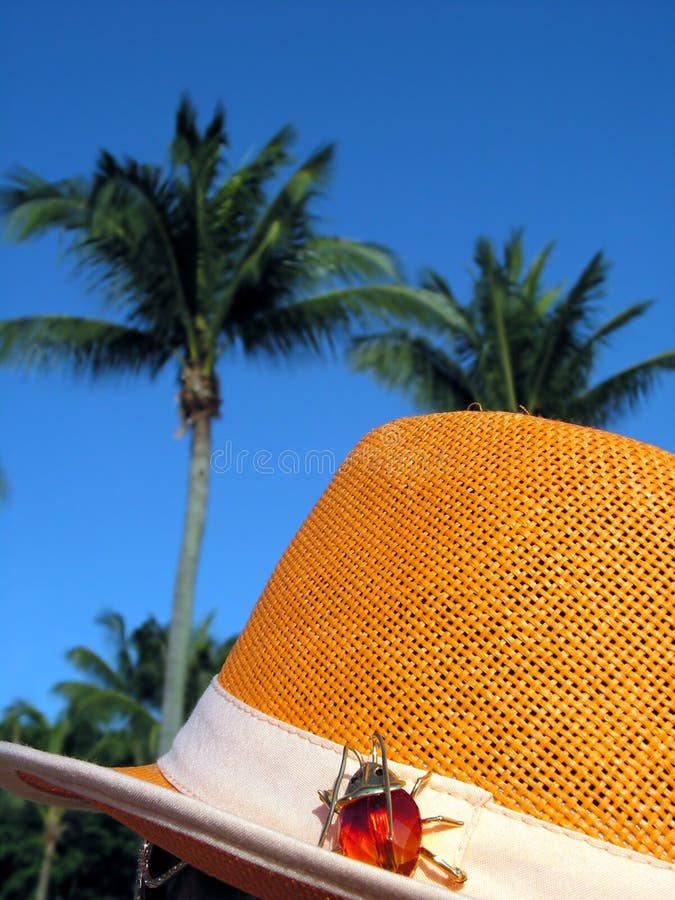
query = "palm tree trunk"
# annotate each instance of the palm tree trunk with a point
(51, 834)
(173, 701)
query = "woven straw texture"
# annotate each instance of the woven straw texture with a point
(494, 593)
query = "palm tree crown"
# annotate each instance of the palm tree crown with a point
(192, 263)
(513, 344)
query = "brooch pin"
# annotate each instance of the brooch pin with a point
(379, 821)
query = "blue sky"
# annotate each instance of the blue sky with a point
(452, 119)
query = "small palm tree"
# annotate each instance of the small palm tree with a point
(515, 343)
(24, 722)
(121, 697)
(195, 263)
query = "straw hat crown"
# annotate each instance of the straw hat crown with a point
(494, 594)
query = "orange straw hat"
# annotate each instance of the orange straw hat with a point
(492, 594)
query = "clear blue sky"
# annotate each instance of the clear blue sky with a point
(453, 119)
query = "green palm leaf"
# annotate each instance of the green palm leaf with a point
(236, 204)
(562, 336)
(333, 258)
(82, 345)
(422, 370)
(531, 288)
(270, 248)
(620, 320)
(105, 705)
(32, 206)
(308, 322)
(97, 670)
(620, 393)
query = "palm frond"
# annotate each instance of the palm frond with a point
(326, 259)
(94, 667)
(587, 288)
(115, 746)
(115, 627)
(494, 298)
(57, 735)
(309, 321)
(388, 302)
(619, 393)
(102, 705)
(22, 710)
(80, 345)
(305, 183)
(283, 227)
(414, 364)
(140, 244)
(620, 320)
(114, 624)
(488, 278)
(531, 282)
(32, 206)
(235, 206)
(546, 300)
(196, 160)
(563, 333)
(199, 152)
(186, 130)
(484, 256)
(513, 256)
(432, 280)
(513, 342)
(201, 633)
(465, 340)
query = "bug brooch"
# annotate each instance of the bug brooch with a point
(379, 821)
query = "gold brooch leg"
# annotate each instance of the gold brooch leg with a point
(419, 784)
(330, 798)
(457, 875)
(450, 823)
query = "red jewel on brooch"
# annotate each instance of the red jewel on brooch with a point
(379, 821)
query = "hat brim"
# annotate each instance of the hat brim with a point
(233, 798)
(242, 853)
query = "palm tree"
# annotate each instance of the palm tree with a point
(515, 343)
(195, 265)
(24, 722)
(121, 697)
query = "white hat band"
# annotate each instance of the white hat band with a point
(267, 771)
